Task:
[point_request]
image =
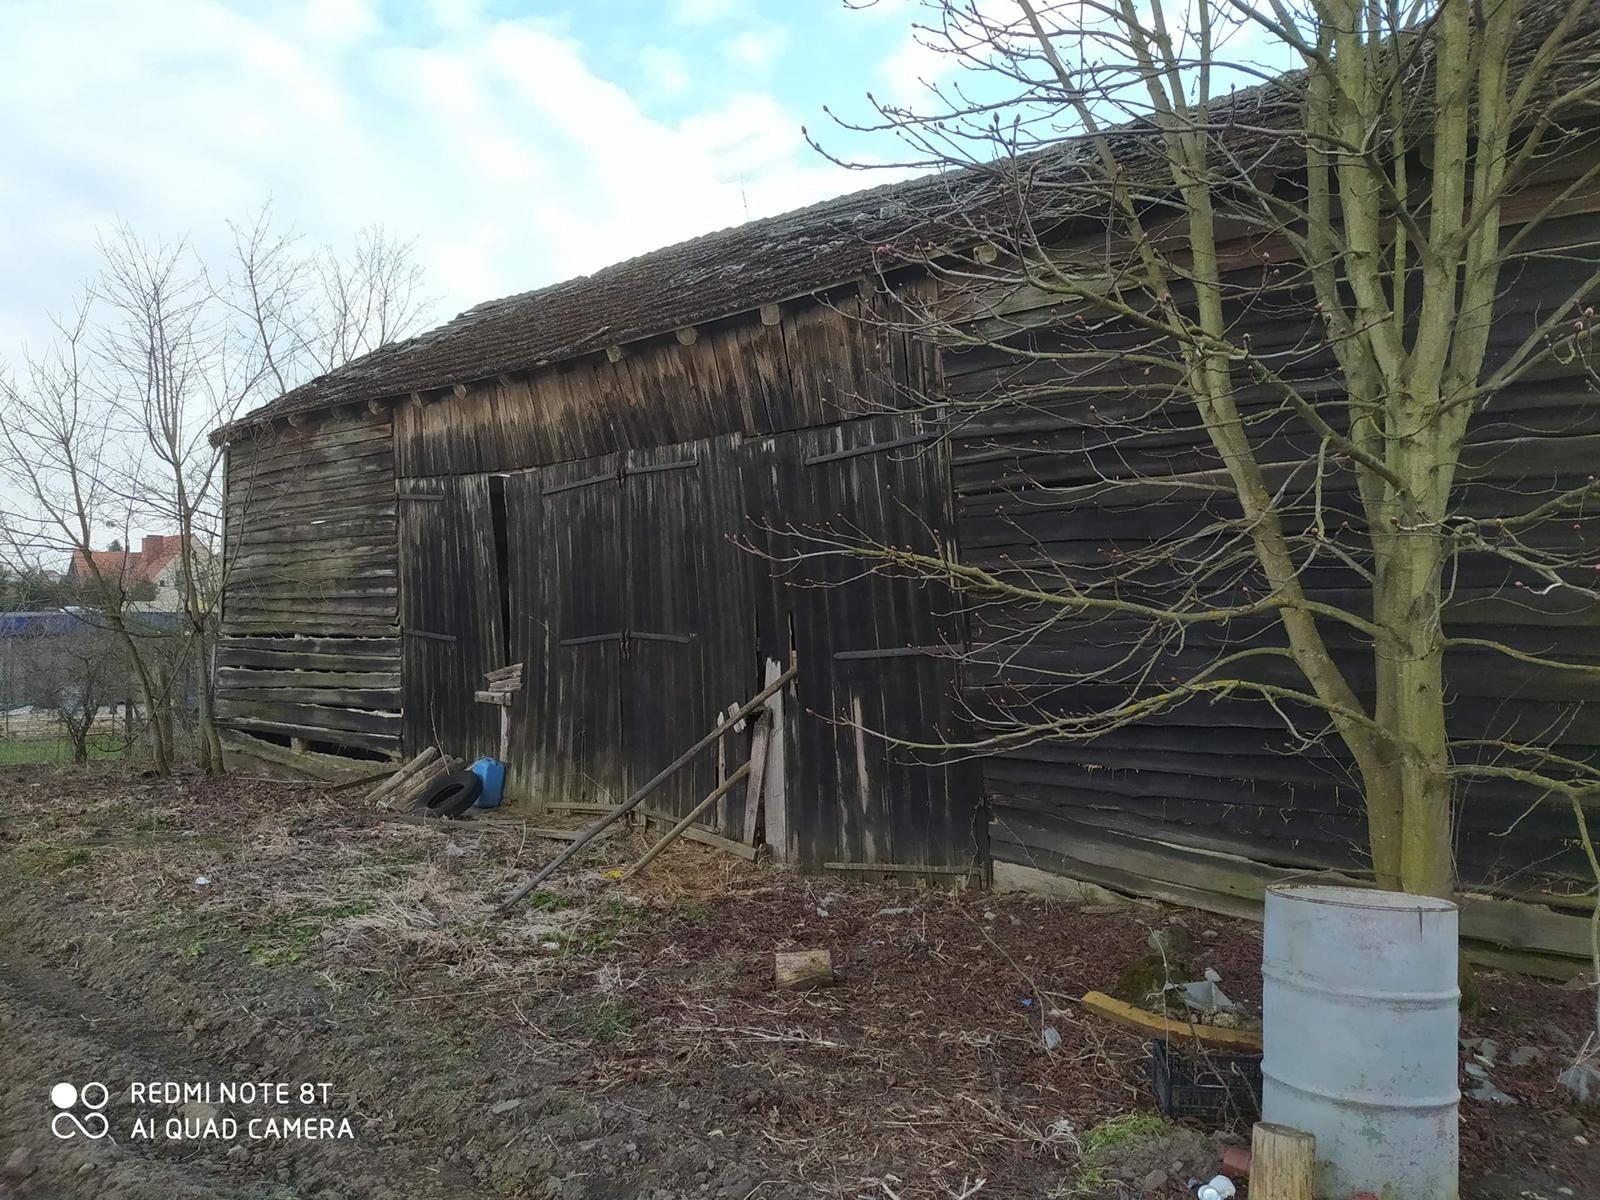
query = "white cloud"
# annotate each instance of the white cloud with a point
(495, 144)
(910, 69)
(665, 69)
(757, 48)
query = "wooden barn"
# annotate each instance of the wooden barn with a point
(615, 482)
(593, 480)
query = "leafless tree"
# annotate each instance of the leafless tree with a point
(110, 428)
(1273, 317)
(64, 467)
(311, 311)
(72, 669)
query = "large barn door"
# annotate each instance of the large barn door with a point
(565, 533)
(690, 649)
(876, 648)
(450, 613)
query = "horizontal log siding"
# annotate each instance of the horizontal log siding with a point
(310, 645)
(1203, 803)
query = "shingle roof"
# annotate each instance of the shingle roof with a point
(715, 275)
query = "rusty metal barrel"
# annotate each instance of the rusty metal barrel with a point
(1360, 1019)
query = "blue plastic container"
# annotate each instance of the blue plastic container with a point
(493, 773)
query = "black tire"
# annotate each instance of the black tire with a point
(450, 796)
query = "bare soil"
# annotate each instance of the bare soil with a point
(603, 1040)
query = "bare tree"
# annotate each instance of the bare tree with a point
(111, 428)
(64, 470)
(1286, 303)
(173, 374)
(309, 312)
(73, 670)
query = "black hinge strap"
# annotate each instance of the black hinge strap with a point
(872, 448)
(894, 652)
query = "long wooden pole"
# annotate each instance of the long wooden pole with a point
(717, 793)
(639, 796)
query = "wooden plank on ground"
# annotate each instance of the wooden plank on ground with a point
(1156, 1025)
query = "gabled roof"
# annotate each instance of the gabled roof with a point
(715, 275)
(131, 566)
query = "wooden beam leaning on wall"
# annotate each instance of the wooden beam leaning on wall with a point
(688, 819)
(638, 797)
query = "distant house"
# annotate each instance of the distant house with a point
(152, 576)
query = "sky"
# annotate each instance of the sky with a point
(519, 142)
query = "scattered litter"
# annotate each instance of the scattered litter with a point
(1523, 1056)
(1204, 996)
(504, 1107)
(1220, 1187)
(1489, 1094)
(893, 912)
(1582, 1079)
(1052, 1038)
(202, 881)
(1484, 1048)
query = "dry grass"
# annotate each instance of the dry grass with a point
(925, 1075)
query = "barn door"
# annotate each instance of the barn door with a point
(875, 647)
(690, 651)
(568, 597)
(450, 613)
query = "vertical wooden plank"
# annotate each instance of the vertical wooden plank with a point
(450, 589)
(577, 718)
(691, 650)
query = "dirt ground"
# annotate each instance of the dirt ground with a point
(605, 1040)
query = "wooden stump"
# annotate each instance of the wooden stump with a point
(1281, 1161)
(801, 970)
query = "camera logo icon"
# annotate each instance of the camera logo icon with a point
(68, 1098)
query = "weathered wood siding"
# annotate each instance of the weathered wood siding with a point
(650, 504)
(310, 646)
(819, 364)
(878, 653)
(658, 588)
(451, 624)
(1048, 484)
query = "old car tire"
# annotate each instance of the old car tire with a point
(450, 796)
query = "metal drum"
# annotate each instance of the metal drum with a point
(1360, 1015)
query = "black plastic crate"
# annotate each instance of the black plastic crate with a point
(1219, 1089)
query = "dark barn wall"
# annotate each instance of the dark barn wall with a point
(1041, 482)
(309, 647)
(452, 629)
(648, 507)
